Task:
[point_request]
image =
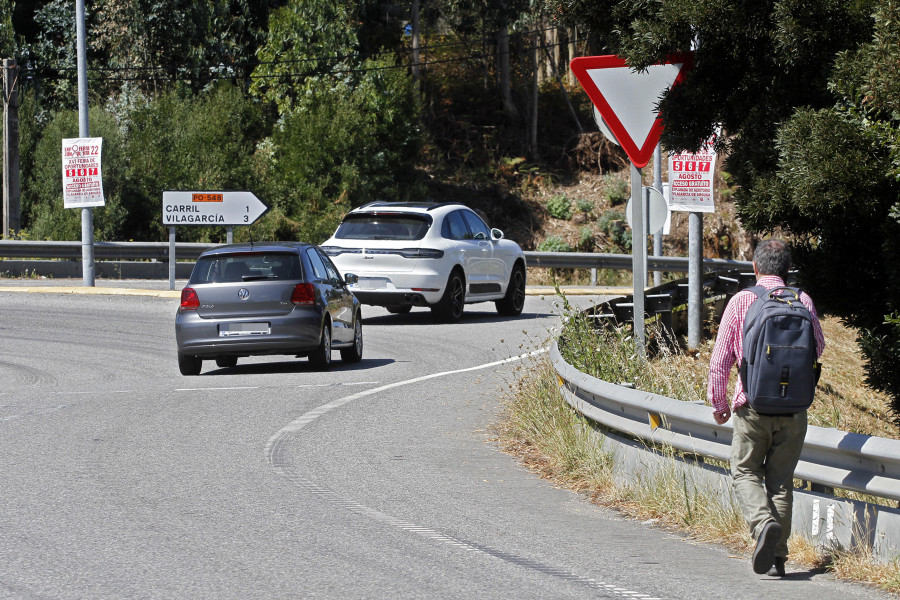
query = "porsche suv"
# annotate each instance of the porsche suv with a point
(439, 255)
(266, 298)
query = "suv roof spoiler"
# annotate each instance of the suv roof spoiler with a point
(425, 205)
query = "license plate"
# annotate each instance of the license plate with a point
(238, 329)
(371, 283)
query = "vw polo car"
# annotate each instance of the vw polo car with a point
(439, 255)
(266, 298)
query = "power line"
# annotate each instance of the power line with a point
(32, 73)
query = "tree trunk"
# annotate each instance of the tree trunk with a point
(505, 84)
(414, 17)
(532, 127)
(573, 52)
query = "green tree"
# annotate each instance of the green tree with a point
(350, 145)
(838, 189)
(307, 39)
(7, 35)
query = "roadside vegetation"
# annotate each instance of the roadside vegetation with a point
(554, 441)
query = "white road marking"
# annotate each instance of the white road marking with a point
(275, 459)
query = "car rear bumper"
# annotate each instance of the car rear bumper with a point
(379, 298)
(201, 337)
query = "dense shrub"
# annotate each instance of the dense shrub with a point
(560, 207)
(612, 224)
(554, 243)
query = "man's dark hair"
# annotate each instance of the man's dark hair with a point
(772, 257)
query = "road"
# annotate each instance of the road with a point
(122, 479)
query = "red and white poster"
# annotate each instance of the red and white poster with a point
(81, 172)
(691, 181)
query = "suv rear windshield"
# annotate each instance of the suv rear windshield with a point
(383, 226)
(246, 266)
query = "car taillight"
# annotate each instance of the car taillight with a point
(189, 299)
(337, 250)
(408, 252)
(304, 294)
(421, 253)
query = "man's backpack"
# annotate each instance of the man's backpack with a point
(780, 367)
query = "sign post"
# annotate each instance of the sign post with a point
(228, 208)
(627, 101)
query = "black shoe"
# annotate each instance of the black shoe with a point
(777, 569)
(764, 555)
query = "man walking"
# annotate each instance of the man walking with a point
(765, 449)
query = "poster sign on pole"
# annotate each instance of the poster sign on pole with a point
(82, 176)
(691, 181)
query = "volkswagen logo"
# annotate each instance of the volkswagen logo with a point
(244, 294)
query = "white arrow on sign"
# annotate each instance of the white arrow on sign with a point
(211, 208)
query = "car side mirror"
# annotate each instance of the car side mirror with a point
(351, 278)
(496, 234)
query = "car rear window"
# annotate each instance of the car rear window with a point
(246, 266)
(383, 226)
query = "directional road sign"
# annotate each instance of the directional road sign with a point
(211, 208)
(628, 100)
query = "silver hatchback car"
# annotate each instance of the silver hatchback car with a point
(266, 298)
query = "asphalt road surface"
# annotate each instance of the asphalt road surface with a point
(120, 478)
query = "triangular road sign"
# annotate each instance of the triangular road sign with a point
(628, 99)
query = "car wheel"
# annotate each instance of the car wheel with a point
(354, 353)
(449, 308)
(226, 362)
(189, 365)
(514, 301)
(321, 356)
(399, 309)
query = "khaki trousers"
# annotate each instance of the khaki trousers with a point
(764, 453)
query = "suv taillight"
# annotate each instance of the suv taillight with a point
(189, 299)
(304, 294)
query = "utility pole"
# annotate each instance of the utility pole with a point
(12, 222)
(87, 213)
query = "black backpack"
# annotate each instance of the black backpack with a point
(780, 368)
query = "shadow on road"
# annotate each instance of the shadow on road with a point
(424, 317)
(299, 365)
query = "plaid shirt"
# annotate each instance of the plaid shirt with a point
(729, 348)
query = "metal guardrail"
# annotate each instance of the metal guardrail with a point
(106, 250)
(830, 458)
(190, 251)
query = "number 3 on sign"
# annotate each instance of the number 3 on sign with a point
(246, 217)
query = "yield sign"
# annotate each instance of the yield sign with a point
(628, 99)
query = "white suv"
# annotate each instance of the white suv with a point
(440, 255)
